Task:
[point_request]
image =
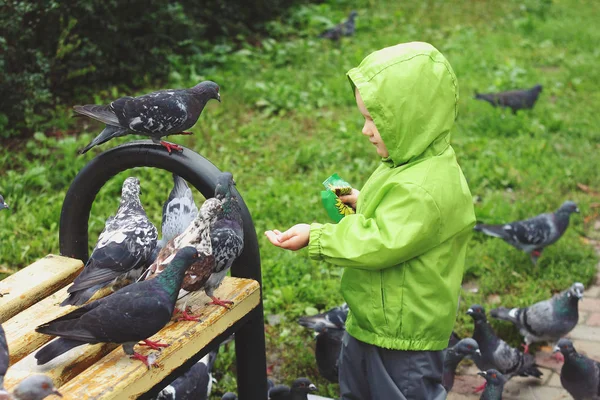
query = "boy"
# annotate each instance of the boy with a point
(404, 249)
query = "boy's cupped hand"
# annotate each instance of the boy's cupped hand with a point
(294, 238)
(350, 199)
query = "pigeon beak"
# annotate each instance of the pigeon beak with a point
(478, 352)
(482, 373)
(470, 311)
(219, 97)
(577, 210)
(579, 294)
(312, 387)
(56, 392)
(555, 349)
(4, 205)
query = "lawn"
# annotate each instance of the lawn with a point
(288, 120)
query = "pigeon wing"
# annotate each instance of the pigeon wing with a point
(161, 112)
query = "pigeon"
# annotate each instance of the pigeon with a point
(178, 211)
(195, 384)
(532, 235)
(496, 353)
(329, 327)
(579, 375)
(3, 205)
(156, 114)
(546, 320)
(124, 248)
(131, 314)
(345, 28)
(4, 358)
(35, 387)
(494, 384)
(226, 238)
(513, 99)
(300, 389)
(465, 348)
(229, 396)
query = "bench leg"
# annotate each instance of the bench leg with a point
(251, 358)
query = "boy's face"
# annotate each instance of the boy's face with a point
(369, 129)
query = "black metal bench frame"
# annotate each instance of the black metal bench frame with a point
(201, 173)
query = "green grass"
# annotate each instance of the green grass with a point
(288, 120)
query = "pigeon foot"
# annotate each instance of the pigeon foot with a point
(525, 348)
(558, 357)
(186, 315)
(149, 361)
(171, 146)
(218, 302)
(480, 388)
(154, 345)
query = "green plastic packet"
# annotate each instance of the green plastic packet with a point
(336, 186)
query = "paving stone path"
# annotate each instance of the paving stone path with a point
(586, 339)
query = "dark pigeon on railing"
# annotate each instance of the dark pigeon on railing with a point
(156, 114)
(496, 353)
(513, 99)
(465, 348)
(195, 384)
(131, 314)
(546, 320)
(532, 235)
(345, 28)
(579, 375)
(124, 248)
(494, 384)
(3, 205)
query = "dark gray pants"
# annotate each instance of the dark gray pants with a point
(369, 372)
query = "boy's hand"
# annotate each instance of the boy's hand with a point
(294, 238)
(350, 199)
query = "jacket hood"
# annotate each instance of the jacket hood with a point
(411, 92)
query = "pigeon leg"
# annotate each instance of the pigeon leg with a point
(480, 388)
(171, 146)
(149, 361)
(153, 345)
(218, 302)
(535, 255)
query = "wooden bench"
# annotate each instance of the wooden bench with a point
(103, 371)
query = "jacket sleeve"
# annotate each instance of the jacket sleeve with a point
(406, 223)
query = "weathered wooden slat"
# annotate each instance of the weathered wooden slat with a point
(35, 282)
(85, 374)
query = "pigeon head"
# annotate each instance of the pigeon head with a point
(467, 347)
(353, 15)
(35, 387)
(568, 207)
(207, 90)
(576, 290)
(303, 385)
(3, 205)
(565, 346)
(538, 88)
(492, 377)
(477, 312)
(131, 190)
(225, 183)
(229, 396)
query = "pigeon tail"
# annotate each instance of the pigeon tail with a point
(55, 349)
(99, 113)
(108, 133)
(80, 297)
(506, 314)
(491, 230)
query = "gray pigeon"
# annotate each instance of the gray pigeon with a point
(496, 353)
(195, 384)
(494, 384)
(532, 235)
(299, 390)
(178, 211)
(547, 320)
(329, 327)
(579, 375)
(124, 248)
(35, 387)
(3, 205)
(345, 28)
(513, 99)
(157, 114)
(126, 316)
(465, 348)
(4, 358)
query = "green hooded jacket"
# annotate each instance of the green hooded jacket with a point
(404, 249)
